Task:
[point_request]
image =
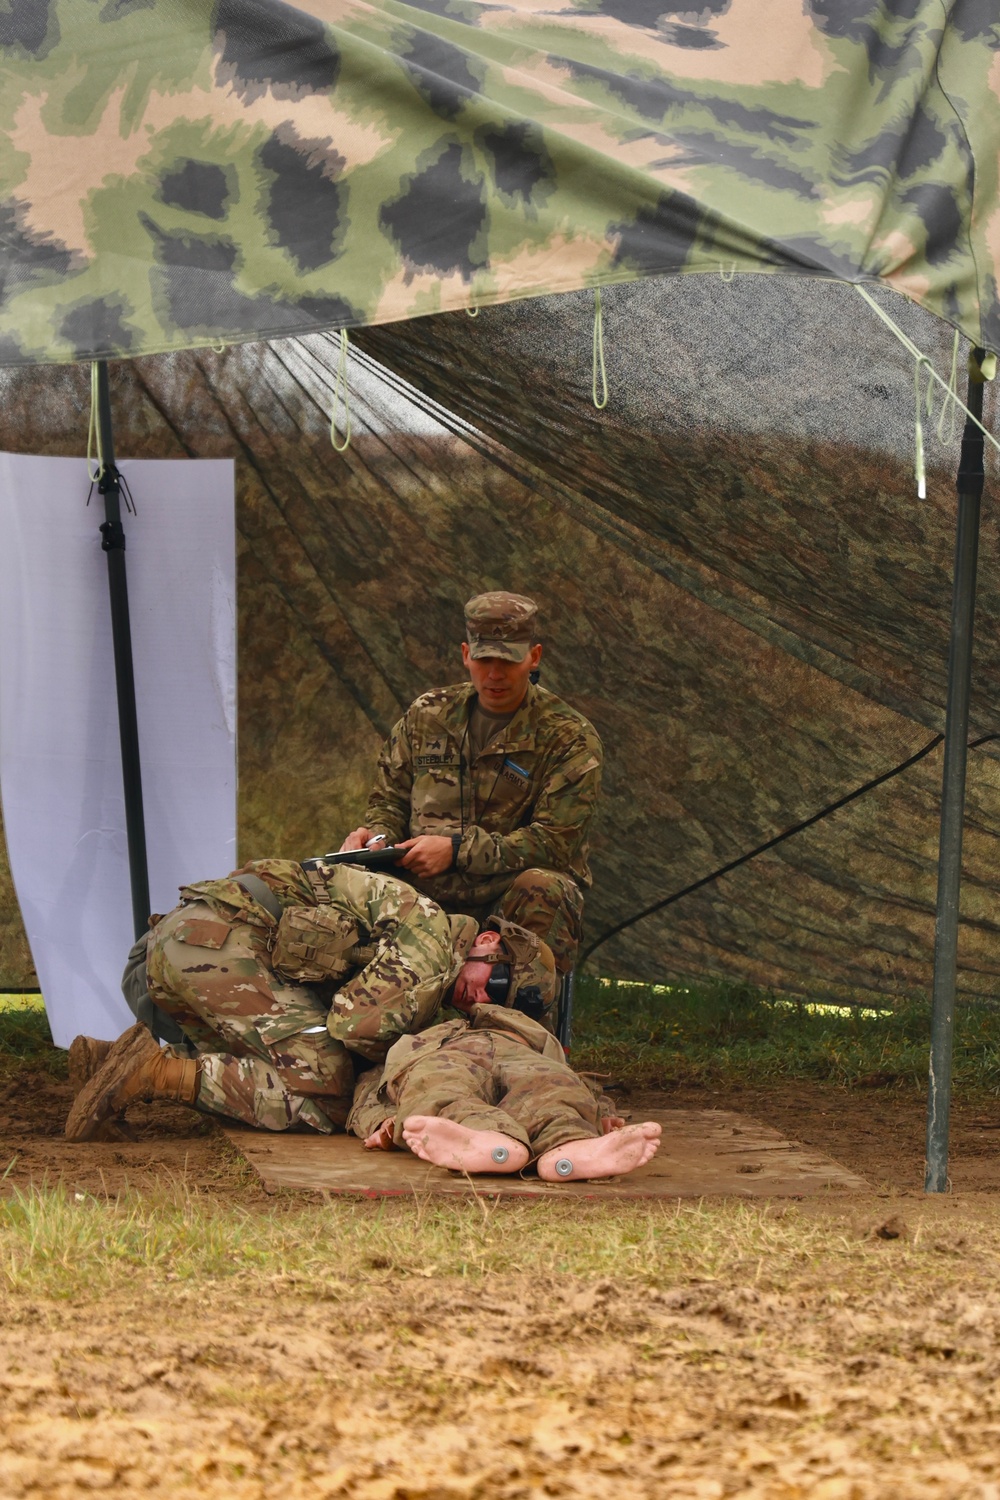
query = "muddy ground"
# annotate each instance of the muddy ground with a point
(439, 1390)
(875, 1373)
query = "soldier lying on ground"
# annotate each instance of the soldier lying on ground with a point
(490, 785)
(492, 1093)
(282, 983)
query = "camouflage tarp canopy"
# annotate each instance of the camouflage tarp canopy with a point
(175, 173)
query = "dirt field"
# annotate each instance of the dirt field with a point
(834, 1348)
(426, 1388)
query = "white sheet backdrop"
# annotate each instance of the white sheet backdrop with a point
(60, 762)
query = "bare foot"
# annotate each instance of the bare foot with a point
(605, 1156)
(381, 1139)
(446, 1144)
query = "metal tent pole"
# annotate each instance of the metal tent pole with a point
(113, 543)
(970, 491)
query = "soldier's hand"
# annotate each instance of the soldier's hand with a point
(612, 1122)
(430, 854)
(356, 840)
(380, 1139)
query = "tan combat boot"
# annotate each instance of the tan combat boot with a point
(86, 1054)
(136, 1067)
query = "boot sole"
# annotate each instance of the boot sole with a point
(92, 1106)
(81, 1061)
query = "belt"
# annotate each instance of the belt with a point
(261, 893)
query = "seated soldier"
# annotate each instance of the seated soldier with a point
(493, 1092)
(280, 981)
(489, 786)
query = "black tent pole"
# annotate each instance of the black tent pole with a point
(113, 543)
(956, 738)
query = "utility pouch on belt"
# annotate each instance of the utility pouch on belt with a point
(314, 943)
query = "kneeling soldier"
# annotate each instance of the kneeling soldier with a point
(279, 981)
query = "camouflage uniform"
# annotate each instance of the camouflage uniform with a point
(497, 1070)
(277, 1009)
(522, 805)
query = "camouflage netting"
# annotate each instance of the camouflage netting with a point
(174, 173)
(739, 585)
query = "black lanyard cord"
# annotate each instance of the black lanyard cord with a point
(461, 775)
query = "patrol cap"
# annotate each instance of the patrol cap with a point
(500, 624)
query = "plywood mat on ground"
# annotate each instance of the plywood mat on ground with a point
(705, 1152)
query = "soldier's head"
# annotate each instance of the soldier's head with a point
(510, 966)
(501, 648)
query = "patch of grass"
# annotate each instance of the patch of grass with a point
(722, 1033)
(57, 1242)
(25, 1038)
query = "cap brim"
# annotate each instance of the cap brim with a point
(506, 650)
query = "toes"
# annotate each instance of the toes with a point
(417, 1142)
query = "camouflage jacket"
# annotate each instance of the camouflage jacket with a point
(395, 931)
(525, 801)
(377, 1091)
(375, 1094)
(404, 1053)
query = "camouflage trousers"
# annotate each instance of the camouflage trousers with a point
(266, 1055)
(487, 1080)
(546, 902)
